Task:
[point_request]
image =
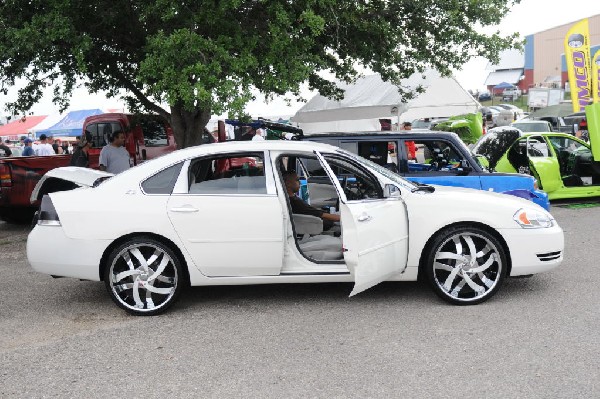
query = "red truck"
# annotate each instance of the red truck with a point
(147, 137)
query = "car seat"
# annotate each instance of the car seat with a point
(311, 240)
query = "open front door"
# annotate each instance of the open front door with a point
(374, 228)
(543, 163)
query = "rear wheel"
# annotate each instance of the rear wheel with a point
(466, 265)
(144, 276)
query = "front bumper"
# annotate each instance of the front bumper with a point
(50, 251)
(534, 250)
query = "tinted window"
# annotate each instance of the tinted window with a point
(101, 132)
(162, 182)
(155, 134)
(238, 174)
(494, 144)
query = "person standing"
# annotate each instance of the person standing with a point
(411, 148)
(114, 158)
(27, 149)
(43, 148)
(4, 150)
(80, 155)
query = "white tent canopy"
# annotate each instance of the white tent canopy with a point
(370, 98)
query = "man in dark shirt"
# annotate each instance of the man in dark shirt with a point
(80, 155)
(292, 185)
(4, 150)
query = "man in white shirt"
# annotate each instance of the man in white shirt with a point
(114, 158)
(44, 148)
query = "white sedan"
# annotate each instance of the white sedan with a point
(228, 214)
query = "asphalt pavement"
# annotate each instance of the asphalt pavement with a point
(537, 338)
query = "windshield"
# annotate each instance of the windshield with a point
(532, 127)
(380, 169)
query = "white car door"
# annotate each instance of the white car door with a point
(374, 229)
(226, 212)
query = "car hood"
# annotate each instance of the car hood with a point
(473, 196)
(450, 205)
(83, 177)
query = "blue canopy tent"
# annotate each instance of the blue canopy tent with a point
(70, 125)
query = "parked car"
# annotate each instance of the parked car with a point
(485, 97)
(511, 93)
(426, 123)
(562, 164)
(517, 112)
(532, 126)
(181, 220)
(441, 158)
(146, 137)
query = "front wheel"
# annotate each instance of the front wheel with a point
(144, 276)
(466, 265)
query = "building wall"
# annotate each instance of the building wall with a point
(548, 47)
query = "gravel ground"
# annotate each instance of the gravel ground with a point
(538, 337)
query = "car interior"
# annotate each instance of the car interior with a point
(317, 239)
(575, 161)
(242, 174)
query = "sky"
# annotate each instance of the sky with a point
(530, 16)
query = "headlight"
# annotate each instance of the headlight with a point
(533, 219)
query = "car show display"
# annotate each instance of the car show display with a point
(199, 217)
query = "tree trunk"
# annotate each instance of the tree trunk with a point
(188, 126)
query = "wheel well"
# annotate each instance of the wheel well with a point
(482, 226)
(164, 240)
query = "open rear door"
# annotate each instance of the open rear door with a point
(374, 228)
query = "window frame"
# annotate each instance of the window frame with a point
(160, 171)
(182, 184)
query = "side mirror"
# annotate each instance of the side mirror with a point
(391, 191)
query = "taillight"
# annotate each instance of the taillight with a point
(47, 215)
(5, 176)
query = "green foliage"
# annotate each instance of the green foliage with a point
(203, 57)
(468, 127)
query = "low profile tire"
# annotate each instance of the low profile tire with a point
(466, 265)
(144, 276)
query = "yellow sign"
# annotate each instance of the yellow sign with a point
(596, 77)
(577, 53)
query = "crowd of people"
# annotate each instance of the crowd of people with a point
(114, 157)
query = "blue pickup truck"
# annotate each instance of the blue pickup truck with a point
(431, 157)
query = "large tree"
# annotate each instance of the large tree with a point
(206, 57)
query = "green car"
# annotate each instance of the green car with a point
(564, 166)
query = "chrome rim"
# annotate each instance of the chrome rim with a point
(143, 277)
(467, 266)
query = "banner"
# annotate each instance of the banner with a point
(577, 53)
(596, 77)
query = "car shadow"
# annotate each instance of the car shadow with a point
(286, 295)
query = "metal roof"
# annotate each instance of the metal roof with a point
(512, 76)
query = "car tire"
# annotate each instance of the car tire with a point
(466, 265)
(144, 276)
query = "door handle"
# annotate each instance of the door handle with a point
(184, 209)
(363, 217)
